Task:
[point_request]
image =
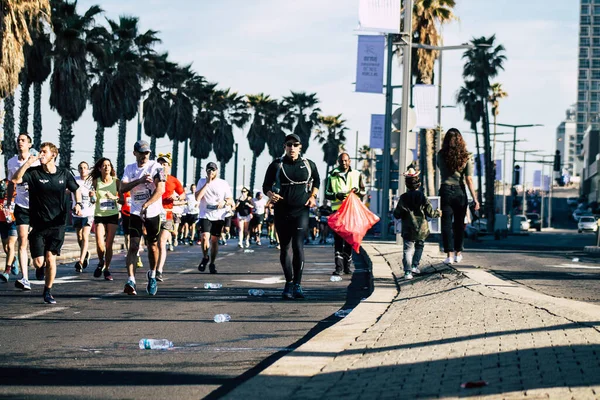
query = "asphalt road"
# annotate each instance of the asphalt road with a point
(86, 346)
(550, 262)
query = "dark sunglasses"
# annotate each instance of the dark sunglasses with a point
(290, 144)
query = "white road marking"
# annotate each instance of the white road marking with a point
(573, 266)
(42, 312)
(273, 280)
(185, 271)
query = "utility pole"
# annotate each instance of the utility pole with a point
(386, 158)
(504, 143)
(185, 160)
(235, 169)
(139, 122)
(406, 89)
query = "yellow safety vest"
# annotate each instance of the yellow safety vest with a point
(339, 185)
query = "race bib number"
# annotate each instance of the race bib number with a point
(324, 219)
(108, 205)
(141, 196)
(163, 216)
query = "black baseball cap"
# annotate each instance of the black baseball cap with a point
(141, 146)
(293, 137)
(211, 166)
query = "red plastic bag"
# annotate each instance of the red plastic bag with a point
(352, 221)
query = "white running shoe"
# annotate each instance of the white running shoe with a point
(408, 275)
(458, 258)
(448, 261)
(415, 270)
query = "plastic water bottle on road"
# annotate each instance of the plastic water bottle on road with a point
(222, 318)
(248, 251)
(256, 292)
(343, 313)
(335, 278)
(155, 344)
(212, 286)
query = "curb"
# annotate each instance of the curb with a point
(313, 356)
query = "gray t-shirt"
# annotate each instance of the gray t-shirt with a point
(456, 178)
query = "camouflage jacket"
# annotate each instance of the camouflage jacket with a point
(413, 209)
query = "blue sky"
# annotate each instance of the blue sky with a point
(274, 46)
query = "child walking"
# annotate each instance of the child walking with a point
(413, 209)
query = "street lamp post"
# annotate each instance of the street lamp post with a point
(515, 141)
(504, 143)
(525, 152)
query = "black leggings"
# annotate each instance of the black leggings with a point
(454, 209)
(291, 231)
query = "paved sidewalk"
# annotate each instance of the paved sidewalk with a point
(446, 328)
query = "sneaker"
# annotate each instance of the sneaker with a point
(78, 267)
(107, 275)
(221, 242)
(130, 288)
(23, 284)
(258, 243)
(152, 286)
(408, 275)
(159, 276)
(247, 243)
(448, 260)
(139, 262)
(278, 247)
(98, 272)
(212, 268)
(48, 298)
(203, 264)
(4, 277)
(190, 242)
(458, 258)
(240, 245)
(298, 293)
(415, 270)
(86, 260)
(171, 248)
(227, 236)
(14, 269)
(347, 271)
(287, 291)
(39, 274)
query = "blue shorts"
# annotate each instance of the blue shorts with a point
(7, 230)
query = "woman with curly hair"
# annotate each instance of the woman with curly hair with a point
(456, 171)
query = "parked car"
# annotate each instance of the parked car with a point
(587, 223)
(581, 213)
(535, 222)
(523, 222)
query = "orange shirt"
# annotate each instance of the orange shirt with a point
(172, 185)
(126, 208)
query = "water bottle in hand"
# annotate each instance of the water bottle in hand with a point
(155, 344)
(222, 318)
(256, 292)
(213, 286)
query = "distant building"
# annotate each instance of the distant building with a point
(566, 141)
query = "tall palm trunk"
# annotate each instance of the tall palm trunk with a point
(478, 166)
(489, 170)
(37, 115)
(24, 110)
(175, 158)
(430, 164)
(152, 146)
(222, 174)
(198, 170)
(121, 146)
(99, 146)
(8, 144)
(253, 173)
(65, 142)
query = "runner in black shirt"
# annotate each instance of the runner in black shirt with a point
(292, 183)
(48, 210)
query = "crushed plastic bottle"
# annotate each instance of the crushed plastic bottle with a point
(155, 344)
(248, 251)
(576, 259)
(213, 286)
(256, 292)
(343, 313)
(335, 278)
(222, 318)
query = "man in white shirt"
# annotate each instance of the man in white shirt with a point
(260, 203)
(214, 195)
(145, 179)
(22, 208)
(83, 223)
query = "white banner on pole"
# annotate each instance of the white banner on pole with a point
(377, 131)
(425, 101)
(369, 64)
(379, 15)
(537, 179)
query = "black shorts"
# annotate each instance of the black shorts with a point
(82, 222)
(125, 222)
(46, 239)
(227, 222)
(312, 223)
(151, 225)
(214, 227)
(110, 219)
(21, 215)
(191, 218)
(257, 219)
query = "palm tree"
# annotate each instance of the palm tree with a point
(258, 133)
(467, 97)
(330, 134)
(303, 114)
(14, 35)
(483, 62)
(229, 110)
(39, 67)
(131, 58)
(201, 140)
(496, 94)
(69, 83)
(9, 147)
(428, 17)
(366, 157)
